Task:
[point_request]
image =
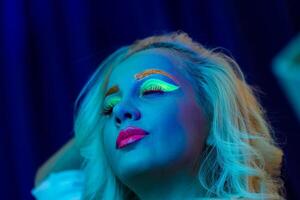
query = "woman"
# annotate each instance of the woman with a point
(166, 118)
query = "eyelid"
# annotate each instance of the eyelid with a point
(112, 100)
(166, 87)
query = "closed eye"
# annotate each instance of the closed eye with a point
(153, 92)
(149, 87)
(153, 89)
(156, 86)
(109, 106)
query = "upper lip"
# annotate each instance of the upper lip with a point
(129, 131)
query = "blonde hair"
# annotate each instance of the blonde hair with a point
(240, 160)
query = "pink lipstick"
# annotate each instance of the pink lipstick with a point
(130, 135)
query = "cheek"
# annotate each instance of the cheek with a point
(169, 135)
(194, 124)
(107, 142)
(192, 118)
(109, 146)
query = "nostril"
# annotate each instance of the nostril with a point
(128, 115)
(118, 120)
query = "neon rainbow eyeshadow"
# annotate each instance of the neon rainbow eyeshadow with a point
(109, 104)
(156, 84)
(149, 86)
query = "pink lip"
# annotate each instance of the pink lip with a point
(130, 135)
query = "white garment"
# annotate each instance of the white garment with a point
(65, 185)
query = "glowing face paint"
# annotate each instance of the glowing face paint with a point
(141, 75)
(157, 85)
(110, 103)
(149, 86)
(112, 90)
(148, 72)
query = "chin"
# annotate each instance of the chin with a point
(130, 171)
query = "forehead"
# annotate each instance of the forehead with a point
(124, 72)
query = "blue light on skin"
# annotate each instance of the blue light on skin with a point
(160, 166)
(150, 86)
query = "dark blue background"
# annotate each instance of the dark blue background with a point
(49, 49)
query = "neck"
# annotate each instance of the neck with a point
(163, 185)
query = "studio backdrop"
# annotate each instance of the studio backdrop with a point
(49, 49)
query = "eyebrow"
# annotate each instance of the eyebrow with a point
(139, 76)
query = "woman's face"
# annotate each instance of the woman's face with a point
(175, 123)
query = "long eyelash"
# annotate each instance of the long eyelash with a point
(107, 109)
(153, 88)
(165, 87)
(109, 106)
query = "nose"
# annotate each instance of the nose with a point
(125, 111)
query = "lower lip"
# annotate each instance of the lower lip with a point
(130, 140)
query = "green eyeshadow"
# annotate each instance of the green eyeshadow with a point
(154, 83)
